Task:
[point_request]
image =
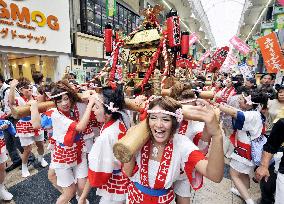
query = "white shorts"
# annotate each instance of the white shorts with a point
(241, 167)
(26, 141)
(279, 195)
(88, 144)
(67, 176)
(3, 157)
(105, 201)
(182, 188)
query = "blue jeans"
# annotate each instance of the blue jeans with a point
(12, 144)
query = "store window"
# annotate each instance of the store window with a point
(94, 18)
(21, 72)
(33, 68)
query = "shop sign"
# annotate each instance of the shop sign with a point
(271, 52)
(279, 21)
(240, 45)
(111, 7)
(267, 25)
(80, 75)
(33, 24)
(278, 10)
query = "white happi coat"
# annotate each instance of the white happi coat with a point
(193, 130)
(69, 144)
(185, 155)
(104, 169)
(24, 126)
(246, 121)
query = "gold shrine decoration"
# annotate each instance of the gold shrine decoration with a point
(145, 53)
(145, 36)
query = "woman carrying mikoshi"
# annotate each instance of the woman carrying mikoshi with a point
(69, 157)
(25, 131)
(248, 124)
(104, 169)
(155, 168)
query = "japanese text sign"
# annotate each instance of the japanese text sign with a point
(40, 25)
(271, 52)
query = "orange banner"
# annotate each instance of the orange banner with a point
(271, 53)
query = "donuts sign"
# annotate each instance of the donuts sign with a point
(35, 24)
(25, 15)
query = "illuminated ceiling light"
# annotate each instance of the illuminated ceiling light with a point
(167, 5)
(259, 18)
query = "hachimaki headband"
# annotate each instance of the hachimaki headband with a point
(56, 95)
(178, 113)
(248, 100)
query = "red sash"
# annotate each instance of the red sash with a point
(226, 94)
(134, 195)
(163, 169)
(183, 127)
(241, 149)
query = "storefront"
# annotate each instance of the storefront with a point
(35, 36)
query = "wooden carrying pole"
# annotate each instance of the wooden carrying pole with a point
(23, 111)
(137, 136)
(133, 141)
(202, 94)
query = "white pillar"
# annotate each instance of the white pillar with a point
(63, 63)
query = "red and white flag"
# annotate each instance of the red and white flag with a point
(240, 45)
(192, 38)
(204, 56)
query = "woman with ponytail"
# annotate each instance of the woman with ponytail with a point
(68, 158)
(104, 169)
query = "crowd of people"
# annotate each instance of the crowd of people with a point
(188, 137)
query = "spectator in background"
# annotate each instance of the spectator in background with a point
(274, 106)
(271, 147)
(12, 143)
(250, 83)
(38, 80)
(266, 87)
(265, 80)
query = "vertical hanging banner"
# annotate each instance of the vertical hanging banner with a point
(111, 7)
(204, 56)
(240, 45)
(193, 38)
(271, 53)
